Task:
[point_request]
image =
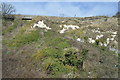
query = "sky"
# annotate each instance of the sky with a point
(66, 9)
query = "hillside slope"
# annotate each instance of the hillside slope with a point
(61, 47)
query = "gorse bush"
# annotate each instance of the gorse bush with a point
(71, 57)
(74, 57)
(60, 61)
(56, 68)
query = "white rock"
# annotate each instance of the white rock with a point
(113, 36)
(91, 40)
(114, 32)
(99, 36)
(89, 72)
(66, 27)
(108, 39)
(101, 44)
(105, 44)
(112, 39)
(63, 30)
(96, 31)
(41, 25)
(60, 26)
(71, 26)
(108, 31)
(80, 40)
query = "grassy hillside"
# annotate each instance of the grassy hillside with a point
(34, 52)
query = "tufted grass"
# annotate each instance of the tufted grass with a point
(20, 40)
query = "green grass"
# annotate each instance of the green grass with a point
(51, 52)
(53, 40)
(28, 25)
(20, 40)
(10, 28)
(75, 33)
(63, 44)
(22, 37)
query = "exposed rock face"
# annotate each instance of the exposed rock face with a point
(41, 25)
(66, 27)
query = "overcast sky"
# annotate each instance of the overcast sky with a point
(69, 9)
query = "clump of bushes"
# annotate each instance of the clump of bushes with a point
(74, 57)
(53, 66)
(85, 38)
(48, 52)
(57, 62)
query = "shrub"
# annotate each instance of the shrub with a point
(54, 67)
(74, 57)
(58, 62)
(57, 69)
(84, 51)
(52, 52)
(85, 38)
(97, 42)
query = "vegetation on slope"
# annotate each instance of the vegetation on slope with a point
(47, 53)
